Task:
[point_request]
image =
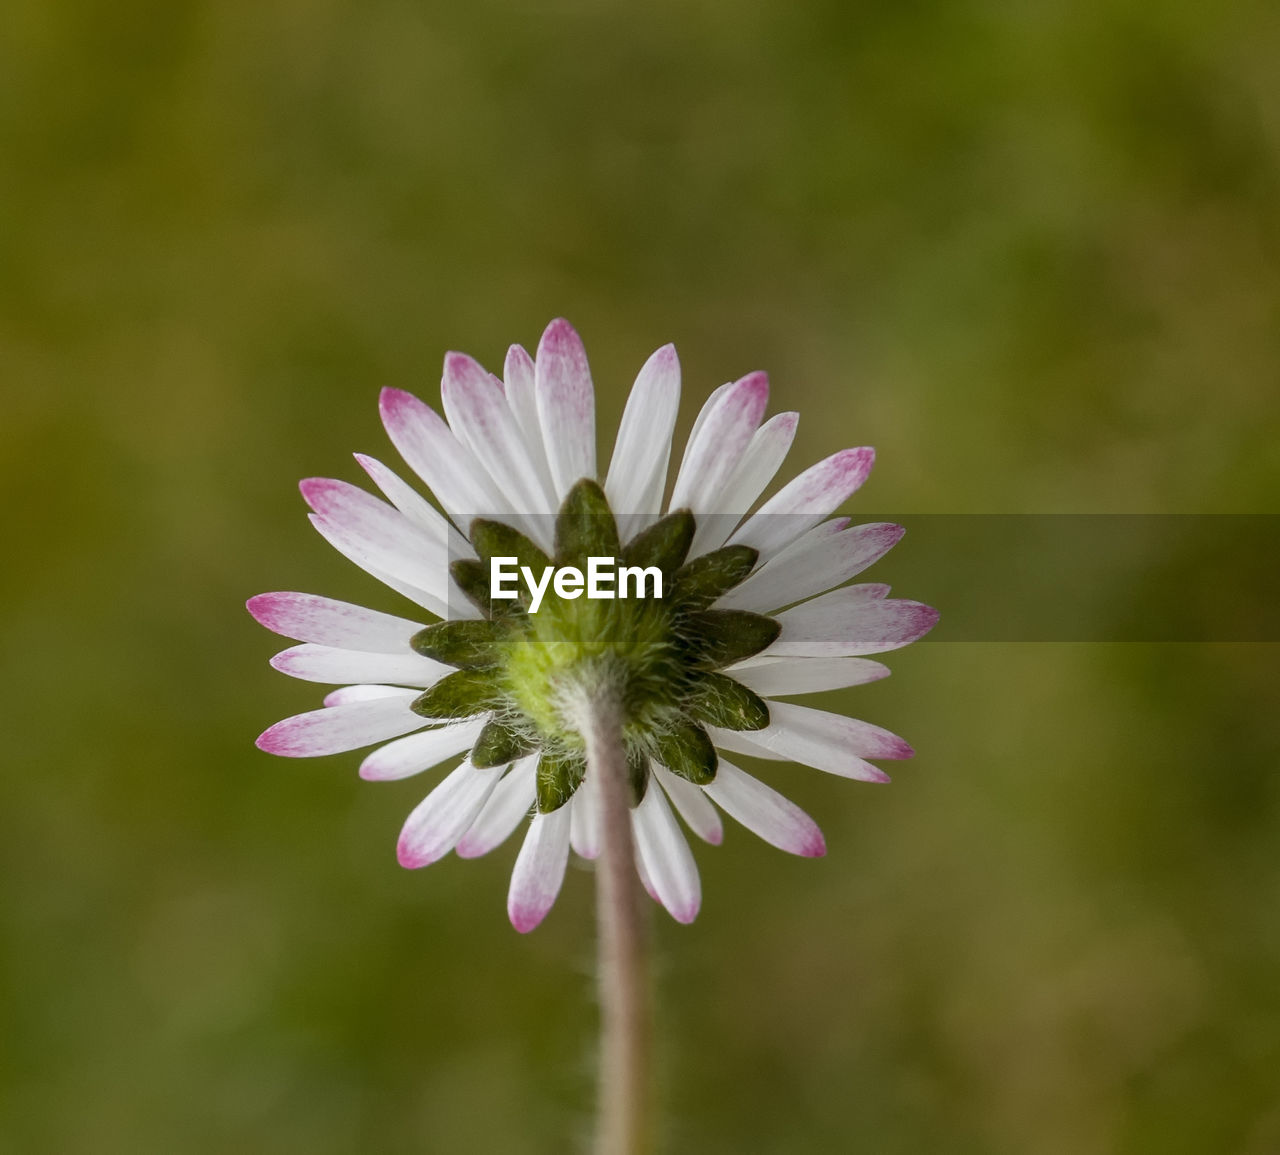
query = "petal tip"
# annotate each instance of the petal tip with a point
(685, 914)
(815, 846)
(559, 330)
(525, 918)
(276, 740)
(410, 858)
(262, 608)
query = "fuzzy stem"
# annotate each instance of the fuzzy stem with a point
(623, 1125)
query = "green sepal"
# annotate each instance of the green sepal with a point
(467, 643)
(712, 575)
(497, 539)
(720, 701)
(472, 578)
(664, 544)
(459, 695)
(722, 637)
(686, 749)
(585, 526)
(499, 745)
(559, 775)
(637, 775)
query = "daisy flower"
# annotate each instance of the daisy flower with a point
(754, 610)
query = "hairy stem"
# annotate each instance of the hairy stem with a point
(623, 1125)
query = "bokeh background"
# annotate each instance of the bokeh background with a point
(1031, 252)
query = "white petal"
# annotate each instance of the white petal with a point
(800, 573)
(336, 729)
(522, 399)
(851, 621)
(713, 455)
(765, 812)
(584, 829)
(741, 743)
(539, 869)
(507, 807)
(692, 805)
(418, 752)
(783, 676)
(805, 501)
(829, 742)
(442, 817)
(645, 880)
(310, 618)
(566, 406)
(760, 461)
(314, 663)
(345, 695)
(353, 552)
(416, 507)
(480, 416)
(638, 469)
(425, 441)
(666, 856)
(708, 407)
(372, 533)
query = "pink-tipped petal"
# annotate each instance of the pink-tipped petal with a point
(566, 406)
(800, 573)
(310, 618)
(847, 622)
(377, 536)
(805, 501)
(666, 856)
(539, 869)
(313, 663)
(713, 455)
(415, 507)
(442, 817)
(761, 460)
(692, 805)
(507, 807)
(418, 752)
(765, 812)
(638, 469)
(780, 677)
(451, 471)
(337, 729)
(478, 411)
(827, 741)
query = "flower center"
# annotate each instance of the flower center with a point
(530, 657)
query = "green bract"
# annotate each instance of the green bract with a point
(663, 656)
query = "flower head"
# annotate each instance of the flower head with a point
(725, 615)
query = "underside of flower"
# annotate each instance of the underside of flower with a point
(736, 605)
(660, 657)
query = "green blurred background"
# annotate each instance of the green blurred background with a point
(1031, 252)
